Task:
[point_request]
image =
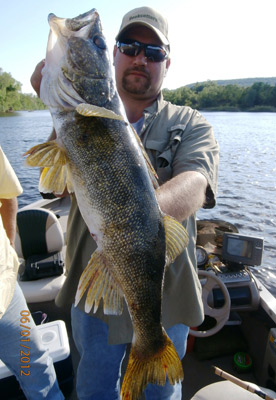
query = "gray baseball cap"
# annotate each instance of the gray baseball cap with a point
(148, 17)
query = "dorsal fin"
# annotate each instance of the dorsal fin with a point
(151, 170)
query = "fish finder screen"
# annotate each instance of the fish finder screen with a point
(241, 248)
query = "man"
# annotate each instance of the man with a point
(183, 151)
(36, 373)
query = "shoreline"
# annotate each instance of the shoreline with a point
(258, 109)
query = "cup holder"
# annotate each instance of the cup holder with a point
(48, 337)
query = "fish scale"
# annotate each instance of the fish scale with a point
(99, 157)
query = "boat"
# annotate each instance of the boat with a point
(237, 338)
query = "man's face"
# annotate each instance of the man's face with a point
(137, 76)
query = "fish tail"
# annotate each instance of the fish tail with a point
(154, 369)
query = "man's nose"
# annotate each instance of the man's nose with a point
(141, 59)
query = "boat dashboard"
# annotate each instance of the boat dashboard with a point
(230, 256)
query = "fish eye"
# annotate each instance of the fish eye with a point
(99, 42)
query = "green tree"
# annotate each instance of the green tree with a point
(209, 95)
(9, 92)
(272, 96)
(181, 96)
(231, 95)
(11, 98)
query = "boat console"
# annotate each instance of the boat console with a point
(240, 252)
(231, 265)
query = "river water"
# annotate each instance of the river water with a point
(247, 174)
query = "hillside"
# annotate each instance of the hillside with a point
(228, 95)
(246, 82)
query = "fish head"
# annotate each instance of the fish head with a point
(77, 65)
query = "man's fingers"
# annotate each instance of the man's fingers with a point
(36, 77)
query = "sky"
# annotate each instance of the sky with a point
(210, 39)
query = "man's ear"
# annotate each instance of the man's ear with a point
(168, 63)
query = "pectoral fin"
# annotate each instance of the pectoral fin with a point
(55, 176)
(46, 155)
(89, 110)
(100, 284)
(177, 238)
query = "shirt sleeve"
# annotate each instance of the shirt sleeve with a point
(199, 151)
(9, 184)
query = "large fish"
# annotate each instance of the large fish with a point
(98, 156)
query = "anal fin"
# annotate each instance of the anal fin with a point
(101, 285)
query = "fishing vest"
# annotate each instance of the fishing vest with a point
(168, 135)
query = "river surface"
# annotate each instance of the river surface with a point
(247, 174)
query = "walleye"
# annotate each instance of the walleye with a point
(99, 157)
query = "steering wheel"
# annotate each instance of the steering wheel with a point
(221, 314)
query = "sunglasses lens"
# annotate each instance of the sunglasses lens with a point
(153, 53)
(131, 49)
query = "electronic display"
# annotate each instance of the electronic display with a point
(240, 249)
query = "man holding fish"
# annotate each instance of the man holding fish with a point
(181, 146)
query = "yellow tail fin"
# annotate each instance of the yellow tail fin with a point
(155, 369)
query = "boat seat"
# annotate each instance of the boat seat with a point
(39, 232)
(227, 390)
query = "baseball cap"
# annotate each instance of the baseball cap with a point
(148, 17)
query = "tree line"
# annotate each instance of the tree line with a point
(260, 96)
(11, 98)
(210, 96)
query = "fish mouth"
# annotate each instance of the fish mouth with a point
(65, 30)
(74, 47)
(79, 26)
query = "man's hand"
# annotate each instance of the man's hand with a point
(36, 77)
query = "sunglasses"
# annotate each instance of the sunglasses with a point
(152, 52)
